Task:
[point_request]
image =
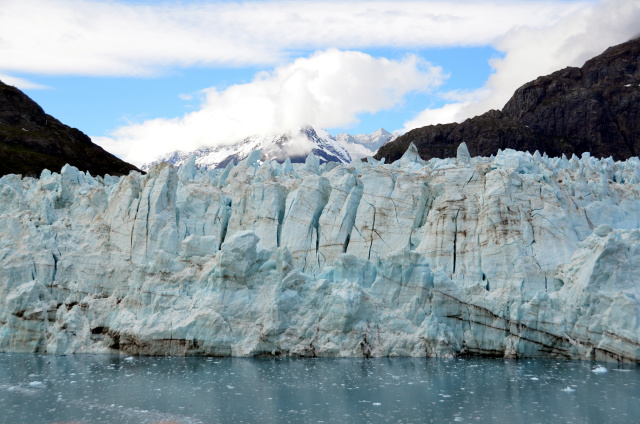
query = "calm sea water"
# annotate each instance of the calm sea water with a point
(108, 389)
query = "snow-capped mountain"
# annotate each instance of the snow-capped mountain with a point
(295, 145)
(363, 145)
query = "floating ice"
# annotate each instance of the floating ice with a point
(599, 370)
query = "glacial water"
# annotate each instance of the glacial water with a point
(112, 389)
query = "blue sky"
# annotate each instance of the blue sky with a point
(97, 105)
(145, 78)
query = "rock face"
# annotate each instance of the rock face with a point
(516, 256)
(594, 109)
(31, 141)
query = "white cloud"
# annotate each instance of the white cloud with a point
(329, 89)
(443, 115)
(532, 52)
(90, 37)
(21, 83)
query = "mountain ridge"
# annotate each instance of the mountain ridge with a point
(31, 141)
(295, 145)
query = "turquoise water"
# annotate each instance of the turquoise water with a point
(109, 389)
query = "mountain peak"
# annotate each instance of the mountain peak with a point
(294, 144)
(380, 132)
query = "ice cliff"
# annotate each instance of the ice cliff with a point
(516, 255)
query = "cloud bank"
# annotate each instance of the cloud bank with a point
(329, 89)
(98, 38)
(533, 52)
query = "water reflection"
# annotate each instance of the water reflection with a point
(99, 388)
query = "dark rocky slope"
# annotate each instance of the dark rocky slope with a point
(594, 109)
(31, 140)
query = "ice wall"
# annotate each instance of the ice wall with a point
(518, 256)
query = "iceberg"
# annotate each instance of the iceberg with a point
(513, 256)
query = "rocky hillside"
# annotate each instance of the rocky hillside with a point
(593, 109)
(31, 140)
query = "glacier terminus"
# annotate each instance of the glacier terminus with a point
(517, 255)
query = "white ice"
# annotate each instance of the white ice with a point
(517, 255)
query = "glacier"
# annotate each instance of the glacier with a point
(516, 256)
